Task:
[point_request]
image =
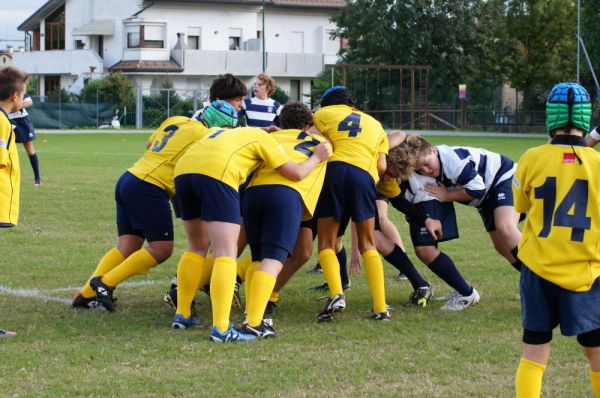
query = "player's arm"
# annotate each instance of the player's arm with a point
(298, 171)
(593, 137)
(433, 226)
(396, 138)
(382, 163)
(440, 192)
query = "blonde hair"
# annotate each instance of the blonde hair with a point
(404, 157)
(269, 82)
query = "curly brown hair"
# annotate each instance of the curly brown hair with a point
(269, 82)
(295, 115)
(404, 157)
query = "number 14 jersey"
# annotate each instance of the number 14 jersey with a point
(561, 236)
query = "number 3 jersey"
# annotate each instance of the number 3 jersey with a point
(166, 145)
(300, 146)
(558, 185)
(357, 138)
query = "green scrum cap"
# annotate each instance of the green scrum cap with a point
(220, 114)
(568, 104)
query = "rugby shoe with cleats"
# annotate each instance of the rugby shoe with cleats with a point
(83, 302)
(459, 303)
(381, 316)
(335, 304)
(448, 296)
(230, 336)
(401, 277)
(171, 300)
(315, 270)
(270, 308)
(104, 294)
(181, 322)
(421, 296)
(237, 298)
(262, 331)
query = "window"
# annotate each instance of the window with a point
(193, 42)
(295, 90)
(235, 38)
(193, 38)
(54, 38)
(146, 36)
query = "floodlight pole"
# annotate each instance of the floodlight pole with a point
(264, 54)
(578, 35)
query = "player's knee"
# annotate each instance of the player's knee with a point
(589, 339)
(536, 338)
(426, 253)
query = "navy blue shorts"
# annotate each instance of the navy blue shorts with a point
(545, 305)
(200, 196)
(443, 211)
(272, 218)
(348, 192)
(143, 209)
(497, 196)
(24, 131)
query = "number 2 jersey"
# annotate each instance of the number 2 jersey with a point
(300, 146)
(167, 144)
(561, 236)
(356, 137)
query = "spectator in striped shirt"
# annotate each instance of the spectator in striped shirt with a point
(262, 110)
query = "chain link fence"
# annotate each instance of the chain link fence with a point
(89, 109)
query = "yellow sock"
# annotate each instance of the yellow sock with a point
(331, 271)
(374, 271)
(189, 270)
(262, 286)
(528, 381)
(139, 263)
(222, 284)
(274, 296)
(595, 377)
(206, 272)
(111, 259)
(242, 265)
(247, 282)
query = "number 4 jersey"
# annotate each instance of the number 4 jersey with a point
(357, 138)
(559, 187)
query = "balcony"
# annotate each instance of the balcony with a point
(58, 62)
(248, 63)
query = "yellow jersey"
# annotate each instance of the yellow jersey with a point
(10, 174)
(167, 144)
(300, 145)
(231, 155)
(389, 188)
(356, 137)
(561, 236)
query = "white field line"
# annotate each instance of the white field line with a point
(42, 294)
(43, 151)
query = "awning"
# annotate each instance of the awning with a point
(97, 27)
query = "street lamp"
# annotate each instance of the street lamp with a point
(264, 54)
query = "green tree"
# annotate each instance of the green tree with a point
(542, 43)
(457, 38)
(116, 89)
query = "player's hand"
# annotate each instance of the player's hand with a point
(434, 227)
(322, 152)
(355, 262)
(437, 191)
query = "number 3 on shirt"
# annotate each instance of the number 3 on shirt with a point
(171, 129)
(351, 124)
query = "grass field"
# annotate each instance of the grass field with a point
(67, 224)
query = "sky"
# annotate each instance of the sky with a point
(12, 15)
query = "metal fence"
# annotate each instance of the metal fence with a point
(63, 110)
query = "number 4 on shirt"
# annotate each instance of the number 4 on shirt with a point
(351, 124)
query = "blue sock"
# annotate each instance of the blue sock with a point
(33, 159)
(444, 267)
(402, 263)
(342, 258)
